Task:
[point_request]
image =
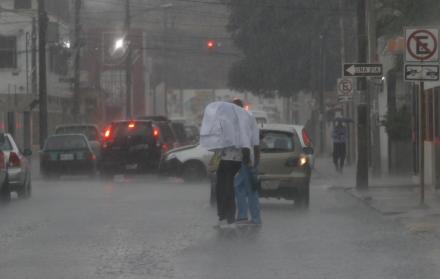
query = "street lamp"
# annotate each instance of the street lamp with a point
(119, 44)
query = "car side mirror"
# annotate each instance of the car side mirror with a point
(27, 152)
(308, 150)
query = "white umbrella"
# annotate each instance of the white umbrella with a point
(225, 125)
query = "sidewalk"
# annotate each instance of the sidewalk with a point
(394, 197)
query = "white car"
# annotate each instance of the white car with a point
(189, 162)
(306, 143)
(18, 168)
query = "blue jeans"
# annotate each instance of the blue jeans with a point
(247, 198)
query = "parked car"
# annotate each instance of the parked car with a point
(189, 162)
(284, 170)
(18, 169)
(89, 130)
(5, 194)
(134, 145)
(260, 116)
(67, 154)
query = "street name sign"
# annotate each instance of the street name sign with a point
(421, 44)
(418, 72)
(362, 70)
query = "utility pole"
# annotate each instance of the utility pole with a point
(34, 83)
(128, 61)
(77, 53)
(42, 29)
(363, 133)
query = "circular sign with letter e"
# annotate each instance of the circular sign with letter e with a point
(345, 89)
(421, 44)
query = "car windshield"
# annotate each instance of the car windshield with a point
(179, 130)
(90, 132)
(271, 141)
(67, 142)
(6, 145)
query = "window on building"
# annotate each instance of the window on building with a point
(23, 4)
(8, 52)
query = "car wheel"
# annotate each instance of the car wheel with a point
(302, 199)
(5, 192)
(25, 191)
(193, 171)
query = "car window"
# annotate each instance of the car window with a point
(66, 143)
(179, 130)
(6, 145)
(90, 132)
(138, 132)
(273, 141)
(166, 132)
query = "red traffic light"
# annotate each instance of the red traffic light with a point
(210, 44)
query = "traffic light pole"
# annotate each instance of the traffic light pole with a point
(363, 133)
(128, 85)
(42, 28)
(77, 53)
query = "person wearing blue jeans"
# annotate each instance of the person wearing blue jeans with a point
(246, 194)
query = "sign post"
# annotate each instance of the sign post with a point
(422, 59)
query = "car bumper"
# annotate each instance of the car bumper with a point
(71, 167)
(284, 186)
(15, 176)
(171, 167)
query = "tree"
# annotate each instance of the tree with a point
(394, 15)
(275, 38)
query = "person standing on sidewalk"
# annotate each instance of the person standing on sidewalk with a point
(339, 136)
(246, 183)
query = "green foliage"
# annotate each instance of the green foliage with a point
(274, 36)
(398, 124)
(393, 15)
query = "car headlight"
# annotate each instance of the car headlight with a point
(170, 156)
(302, 161)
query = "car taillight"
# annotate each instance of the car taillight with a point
(91, 157)
(14, 160)
(165, 148)
(107, 133)
(2, 161)
(306, 138)
(156, 133)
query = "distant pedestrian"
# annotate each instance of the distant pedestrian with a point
(339, 137)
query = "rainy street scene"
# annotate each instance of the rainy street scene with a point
(219, 139)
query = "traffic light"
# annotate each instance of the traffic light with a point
(210, 44)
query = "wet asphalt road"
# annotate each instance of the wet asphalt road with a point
(145, 227)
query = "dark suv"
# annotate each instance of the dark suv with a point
(133, 145)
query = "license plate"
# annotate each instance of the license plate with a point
(131, 167)
(269, 185)
(66, 157)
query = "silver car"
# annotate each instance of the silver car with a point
(18, 168)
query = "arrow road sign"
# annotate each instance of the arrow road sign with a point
(362, 70)
(421, 72)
